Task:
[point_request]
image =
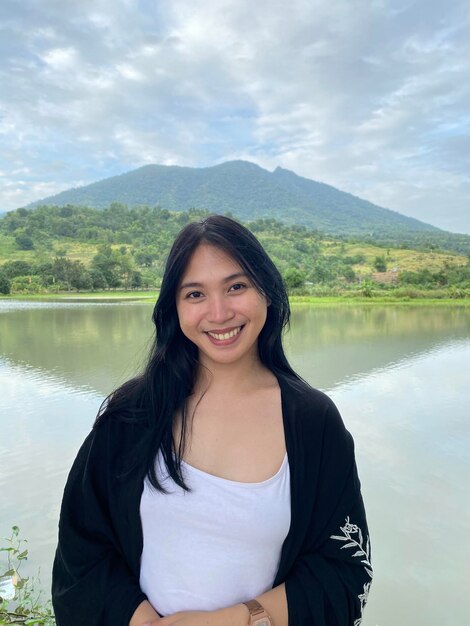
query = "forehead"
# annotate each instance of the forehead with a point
(210, 262)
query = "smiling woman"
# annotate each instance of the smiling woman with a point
(226, 311)
(214, 487)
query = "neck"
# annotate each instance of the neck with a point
(232, 377)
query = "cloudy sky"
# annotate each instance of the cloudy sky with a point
(372, 96)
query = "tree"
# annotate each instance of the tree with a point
(26, 284)
(136, 280)
(126, 268)
(322, 271)
(5, 285)
(81, 279)
(98, 280)
(17, 268)
(106, 262)
(117, 266)
(145, 257)
(24, 241)
(71, 274)
(349, 274)
(380, 264)
(294, 278)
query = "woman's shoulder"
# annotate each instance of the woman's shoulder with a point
(125, 409)
(111, 447)
(301, 395)
(119, 429)
(119, 426)
(310, 409)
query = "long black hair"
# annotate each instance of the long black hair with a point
(169, 376)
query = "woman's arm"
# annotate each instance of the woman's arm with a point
(328, 574)
(92, 582)
(274, 601)
(236, 615)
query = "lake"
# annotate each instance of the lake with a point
(400, 376)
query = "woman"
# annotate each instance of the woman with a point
(217, 488)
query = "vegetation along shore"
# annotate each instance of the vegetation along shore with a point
(119, 252)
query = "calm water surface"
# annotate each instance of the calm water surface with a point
(399, 375)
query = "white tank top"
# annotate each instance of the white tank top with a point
(215, 546)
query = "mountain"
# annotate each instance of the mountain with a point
(248, 192)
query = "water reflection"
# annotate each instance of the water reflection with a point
(42, 422)
(399, 376)
(100, 345)
(329, 345)
(411, 427)
(87, 345)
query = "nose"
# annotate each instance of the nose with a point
(220, 309)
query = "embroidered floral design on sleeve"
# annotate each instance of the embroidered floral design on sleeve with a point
(352, 534)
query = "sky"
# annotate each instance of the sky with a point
(372, 97)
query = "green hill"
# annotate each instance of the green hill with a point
(249, 192)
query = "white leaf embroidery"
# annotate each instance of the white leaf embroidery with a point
(352, 529)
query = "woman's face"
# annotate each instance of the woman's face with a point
(219, 308)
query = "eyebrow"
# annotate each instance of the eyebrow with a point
(227, 279)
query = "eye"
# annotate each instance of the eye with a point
(237, 287)
(192, 295)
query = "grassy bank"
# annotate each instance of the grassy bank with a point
(347, 298)
(83, 296)
(379, 299)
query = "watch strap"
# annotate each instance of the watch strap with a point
(257, 611)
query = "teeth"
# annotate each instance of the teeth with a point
(232, 333)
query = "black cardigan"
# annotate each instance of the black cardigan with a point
(325, 559)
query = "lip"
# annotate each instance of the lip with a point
(225, 342)
(221, 331)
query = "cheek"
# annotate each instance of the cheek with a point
(187, 318)
(261, 311)
(262, 304)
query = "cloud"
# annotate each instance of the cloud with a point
(369, 96)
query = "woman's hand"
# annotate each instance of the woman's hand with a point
(236, 615)
(186, 618)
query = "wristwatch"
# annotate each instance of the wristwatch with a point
(258, 615)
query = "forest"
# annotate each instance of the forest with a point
(250, 192)
(49, 249)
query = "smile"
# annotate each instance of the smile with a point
(227, 335)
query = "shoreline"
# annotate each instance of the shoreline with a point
(378, 300)
(296, 300)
